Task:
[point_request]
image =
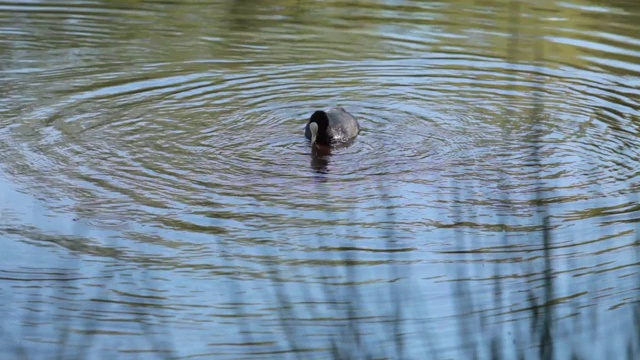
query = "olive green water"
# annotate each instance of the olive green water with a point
(158, 198)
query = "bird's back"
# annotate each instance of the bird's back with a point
(342, 125)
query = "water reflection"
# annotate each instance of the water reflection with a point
(320, 155)
(156, 182)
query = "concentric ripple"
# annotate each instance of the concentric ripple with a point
(164, 141)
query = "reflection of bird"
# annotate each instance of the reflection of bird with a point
(335, 125)
(320, 159)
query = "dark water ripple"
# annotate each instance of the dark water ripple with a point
(154, 163)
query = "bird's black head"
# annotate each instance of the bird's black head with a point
(318, 126)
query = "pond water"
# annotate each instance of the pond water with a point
(159, 200)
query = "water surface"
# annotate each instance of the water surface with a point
(159, 199)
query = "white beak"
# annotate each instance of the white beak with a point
(313, 127)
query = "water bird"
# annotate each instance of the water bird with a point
(333, 126)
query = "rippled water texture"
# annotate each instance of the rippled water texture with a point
(159, 200)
